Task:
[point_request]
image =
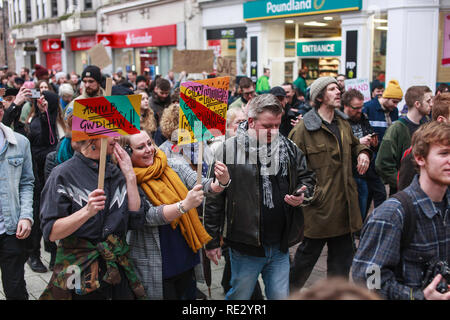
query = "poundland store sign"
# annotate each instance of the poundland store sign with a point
(260, 10)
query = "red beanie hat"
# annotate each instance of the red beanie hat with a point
(40, 71)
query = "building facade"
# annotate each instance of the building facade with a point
(407, 40)
(138, 35)
(6, 47)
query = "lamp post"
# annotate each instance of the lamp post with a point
(3, 3)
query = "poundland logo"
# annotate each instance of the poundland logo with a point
(292, 5)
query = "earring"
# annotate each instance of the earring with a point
(93, 148)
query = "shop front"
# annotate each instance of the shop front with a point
(146, 51)
(293, 35)
(52, 50)
(80, 46)
(229, 43)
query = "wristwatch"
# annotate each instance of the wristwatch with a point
(180, 208)
(224, 185)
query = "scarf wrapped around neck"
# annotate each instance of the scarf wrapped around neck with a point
(162, 185)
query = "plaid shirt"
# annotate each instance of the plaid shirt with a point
(402, 270)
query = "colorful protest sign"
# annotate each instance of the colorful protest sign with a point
(362, 85)
(103, 117)
(203, 109)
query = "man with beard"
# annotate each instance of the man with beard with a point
(326, 138)
(382, 112)
(398, 261)
(260, 203)
(160, 98)
(369, 183)
(247, 92)
(397, 138)
(91, 78)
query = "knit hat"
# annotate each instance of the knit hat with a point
(141, 78)
(65, 88)
(319, 84)
(60, 75)
(93, 72)
(393, 91)
(40, 71)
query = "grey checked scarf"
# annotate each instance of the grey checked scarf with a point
(271, 156)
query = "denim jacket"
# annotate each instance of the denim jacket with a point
(16, 180)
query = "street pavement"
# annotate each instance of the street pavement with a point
(36, 282)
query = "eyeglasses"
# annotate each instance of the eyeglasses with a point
(356, 108)
(251, 93)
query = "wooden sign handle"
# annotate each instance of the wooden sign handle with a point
(104, 145)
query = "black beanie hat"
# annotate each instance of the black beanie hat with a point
(93, 72)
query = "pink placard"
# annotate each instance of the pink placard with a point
(446, 52)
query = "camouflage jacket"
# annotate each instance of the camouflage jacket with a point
(77, 268)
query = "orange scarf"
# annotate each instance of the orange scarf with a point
(162, 185)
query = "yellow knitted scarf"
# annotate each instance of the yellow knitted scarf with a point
(163, 186)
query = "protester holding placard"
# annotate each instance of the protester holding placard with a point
(166, 250)
(91, 225)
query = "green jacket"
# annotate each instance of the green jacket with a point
(262, 85)
(334, 210)
(300, 83)
(395, 141)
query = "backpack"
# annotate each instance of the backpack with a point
(409, 219)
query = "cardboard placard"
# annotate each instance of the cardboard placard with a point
(102, 117)
(362, 85)
(193, 61)
(227, 67)
(99, 56)
(203, 109)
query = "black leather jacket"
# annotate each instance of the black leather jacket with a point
(241, 202)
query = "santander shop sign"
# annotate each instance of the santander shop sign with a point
(148, 37)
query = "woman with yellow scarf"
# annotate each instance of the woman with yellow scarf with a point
(166, 250)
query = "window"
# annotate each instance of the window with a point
(54, 4)
(28, 10)
(16, 21)
(87, 4)
(379, 48)
(68, 5)
(38, 9)
(19, 12)
(44, 8)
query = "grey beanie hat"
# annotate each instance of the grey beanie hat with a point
(319, 84)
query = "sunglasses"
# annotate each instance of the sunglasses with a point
(356, 108)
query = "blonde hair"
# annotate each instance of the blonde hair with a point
(170, 120)
(148, 121)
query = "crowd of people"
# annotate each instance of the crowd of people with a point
(300, 167)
